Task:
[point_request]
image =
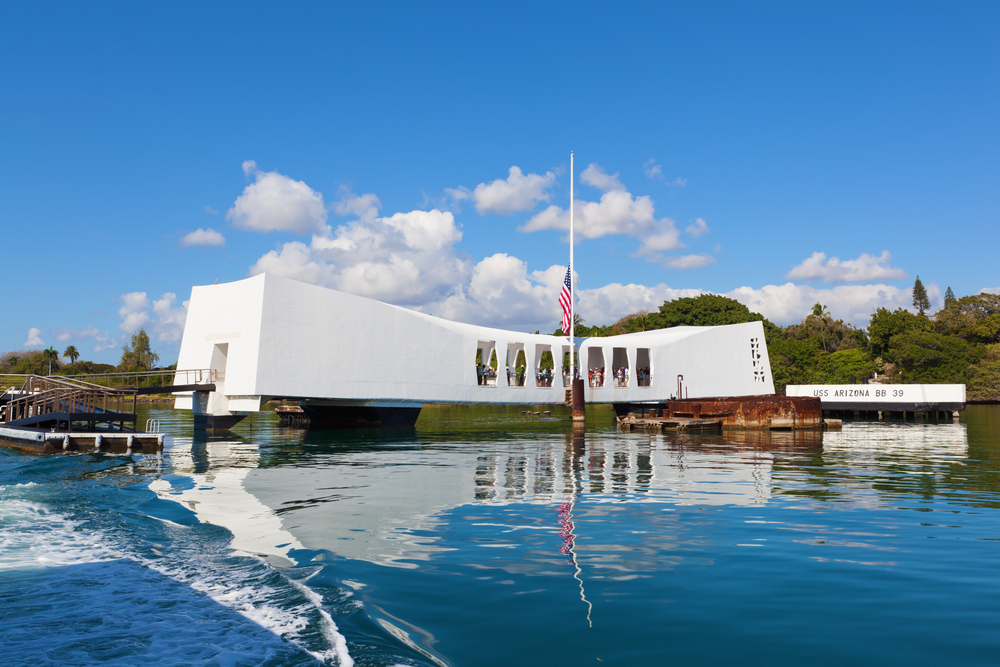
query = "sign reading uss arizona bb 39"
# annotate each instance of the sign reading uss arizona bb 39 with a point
(884, 396)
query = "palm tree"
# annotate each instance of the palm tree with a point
(822, 313)
(51, 355)
(72, 353)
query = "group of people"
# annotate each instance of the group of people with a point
(596, 376)
(484, 374)
(543, 378)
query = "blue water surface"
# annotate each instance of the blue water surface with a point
(486, 537)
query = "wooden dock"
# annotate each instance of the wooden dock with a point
(60, 414)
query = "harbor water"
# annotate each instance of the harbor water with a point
(486, 537)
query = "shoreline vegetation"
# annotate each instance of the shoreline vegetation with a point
(959, 344)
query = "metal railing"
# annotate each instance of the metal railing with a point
(92, 395)
(133, 380)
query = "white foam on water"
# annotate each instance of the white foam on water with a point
(127, 608)
(219, 498)
(31, 536)
(329, 629)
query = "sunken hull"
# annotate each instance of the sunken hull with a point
(737, 412)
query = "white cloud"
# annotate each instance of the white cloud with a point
(655, 171)
(410, 259)
(790, 303)
(162, 321)
(133, 312)
(697, 228)
(991, 290)
(833, 270)
(457, 195)
(518, 192)
(294, 260)
(168, 320)
(665, 239)
(34, 338)
(210, 210)
(503, 293)
(365, 207)
(205, 238)
(595, 176)
(274, 202)
(64, 334)
(616, 213)
(406, 258)
(608, 304)
(102, 339)
(687, 262)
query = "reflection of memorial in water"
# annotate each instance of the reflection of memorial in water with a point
(389, 502)
(209, 479)
(685, 469)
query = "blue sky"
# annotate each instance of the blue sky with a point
(778, 153)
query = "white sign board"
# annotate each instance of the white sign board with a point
(878, 396)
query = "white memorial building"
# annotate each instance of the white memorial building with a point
(343, 356)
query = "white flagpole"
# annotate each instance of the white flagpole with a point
(572, 283)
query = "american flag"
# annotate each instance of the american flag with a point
(566, 301)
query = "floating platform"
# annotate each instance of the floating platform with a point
(49, 442)
(633, 423)
(322, 416)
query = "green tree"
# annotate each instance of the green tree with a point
(51, 355)
(975, 318)
(983, 383)
(820, 314)
(10, 359)
(949, 298)
(885, 324)
(25, 363)
(920, 300)
(831, 335)
(71, 353)
(929, 357)
(138, 355)
(86, 368)
(705, 310)
(789, 358)
(844, 365)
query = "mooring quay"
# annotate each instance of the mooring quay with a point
(896, 401)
